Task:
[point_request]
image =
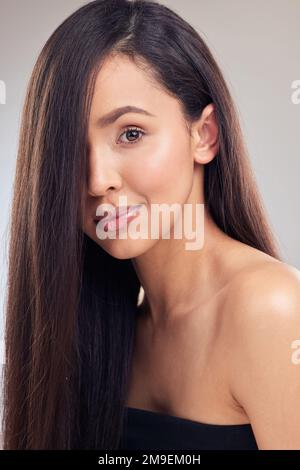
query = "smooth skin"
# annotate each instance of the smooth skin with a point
(213, 341)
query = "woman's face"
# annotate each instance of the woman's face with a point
(150, 165)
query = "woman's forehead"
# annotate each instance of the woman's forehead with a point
(120, 82)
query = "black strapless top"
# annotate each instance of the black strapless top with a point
(151, 430)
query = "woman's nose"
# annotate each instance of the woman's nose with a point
(102, 176)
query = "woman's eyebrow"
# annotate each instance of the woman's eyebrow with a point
(113, 115)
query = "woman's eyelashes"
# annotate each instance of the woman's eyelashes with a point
(131, 132)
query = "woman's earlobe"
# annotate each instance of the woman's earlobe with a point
(205, 155)
(206, 152)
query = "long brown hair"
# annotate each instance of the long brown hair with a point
(71, 307)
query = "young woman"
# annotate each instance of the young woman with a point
(126, 100)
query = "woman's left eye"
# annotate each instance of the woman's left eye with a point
(132, 132)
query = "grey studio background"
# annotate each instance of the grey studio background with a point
(257, 45)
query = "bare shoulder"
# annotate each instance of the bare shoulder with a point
(263, 319)
(262, 304)
(266, 289)
(263, 298)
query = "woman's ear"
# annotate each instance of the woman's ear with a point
(204, 134)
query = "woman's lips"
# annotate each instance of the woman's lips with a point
(117, 220)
